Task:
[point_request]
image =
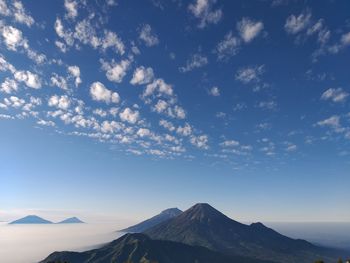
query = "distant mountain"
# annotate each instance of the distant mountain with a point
(140, 248)
(202, 225)
(31, 219)
(163, 216)
(71, 220)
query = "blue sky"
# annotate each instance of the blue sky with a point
(126, 108)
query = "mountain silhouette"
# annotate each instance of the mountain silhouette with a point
(134, 248)
(203, 225)
(31, 219)
(71, 220)
(163, 216)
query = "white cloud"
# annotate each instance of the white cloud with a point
(291, 148)
(75, 72)
(46, 123)
(148, 36)
(100, 112)
(196, 61)
(249, 29)
(214, 91)
(335, 95)
(111, 39)
(185, 130)
(228, 47)
(345, 39)
(250, 74)
(4, 9)
(268, 105)
(161, 106)
(200, 141)
(62, 46)
(129, 115)
(333, 122)
(179, 112)
(62, 102)
(143, 132)
(295, 24)
(66, 35)
(5, 65)
(230, 143)
(59, 81)
(115, 72)
(17, 11)
(159, 86)
(167, 125)
(9, 86)
(14, 102)
(71, 8)
(20, 14)
(13, 38)
(203, 10)
(142, 76)
(99, 92)
(30, 79)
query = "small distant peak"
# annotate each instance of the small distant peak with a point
(258, 225)
(173, 210)
(71, 220)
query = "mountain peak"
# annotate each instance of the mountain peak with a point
(203, 210)
(71, 220)
(31, 219)
(172, 211)
(155, 220)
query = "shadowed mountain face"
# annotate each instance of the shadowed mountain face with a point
(202, 225)
(31, 219)
(135, 248)
(71, 220)
(163, 216)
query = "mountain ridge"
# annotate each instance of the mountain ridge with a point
(203, 225)
(148, 223)
(138, 247)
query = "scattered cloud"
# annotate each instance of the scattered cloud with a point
(335, 95)
(142, 76)
(267, 105)
(99, 92)
(295, 24)
(74, 71)
(228, 47)
(71, 8)
(249, 29)
(214, 91)
(148, 36)
(129, 115)
(115, 72)
(9, 86)
(62, 102)
(250, 74)
(203, 10)
(195, 61)
(30, 79)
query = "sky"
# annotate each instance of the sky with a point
(121, 109)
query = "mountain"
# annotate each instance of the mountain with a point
(163, 216)
(134, 248)
(31, 219)
(71, 220)
(203, 225)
